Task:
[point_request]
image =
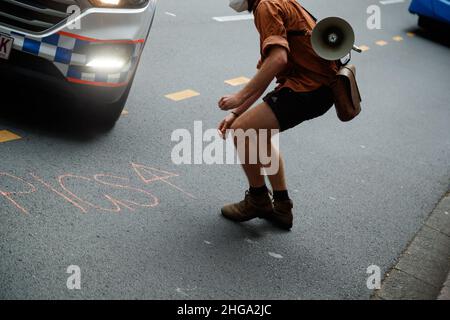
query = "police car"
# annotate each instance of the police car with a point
(431, 12)
(89, 49)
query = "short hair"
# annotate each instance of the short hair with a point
(251, 4)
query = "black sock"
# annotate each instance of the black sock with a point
(258, 191)
(282, 195)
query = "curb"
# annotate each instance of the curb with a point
(424, 266)
(445, 292)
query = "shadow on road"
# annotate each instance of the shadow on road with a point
(257, 230)
(39, 110)
(435, 34)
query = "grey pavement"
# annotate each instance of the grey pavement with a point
(421, 272)
(362, 190)
(445, 291)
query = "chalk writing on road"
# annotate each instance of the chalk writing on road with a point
(15, 190)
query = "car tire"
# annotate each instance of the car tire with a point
(427, 23)
(437, 29)
(105, 116)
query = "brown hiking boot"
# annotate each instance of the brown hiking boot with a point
(282, 214)
(251, 207)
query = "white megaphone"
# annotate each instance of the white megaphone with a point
(333, 38)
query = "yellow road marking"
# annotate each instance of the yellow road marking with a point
(410, 34)
(178, 96)
(6, 136)
(381, 43)
(397, 38)
(237, 81)
(364, 48)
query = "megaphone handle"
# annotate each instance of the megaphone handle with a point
(346, 62)
(357, 49)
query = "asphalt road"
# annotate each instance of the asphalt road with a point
(362, 189)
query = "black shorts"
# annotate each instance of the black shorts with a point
(292, 108)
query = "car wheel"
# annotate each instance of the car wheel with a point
(427, 23)
(105, 116)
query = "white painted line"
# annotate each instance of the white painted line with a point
(170, 14)
(234, 18)
(180, 291)
(385, 2)
(275, 255)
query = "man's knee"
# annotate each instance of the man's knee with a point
(239, 133)
(237, 125)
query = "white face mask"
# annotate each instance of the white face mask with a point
(239, 5)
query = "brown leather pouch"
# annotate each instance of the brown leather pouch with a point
(347, 98)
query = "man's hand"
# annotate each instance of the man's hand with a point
(231, 102)
(226, 124)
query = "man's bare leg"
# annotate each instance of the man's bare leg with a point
(258, 203)
(278, 180)
(261, 117)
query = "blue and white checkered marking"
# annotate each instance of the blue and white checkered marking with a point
(70, 56)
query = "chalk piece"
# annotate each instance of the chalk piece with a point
(275, 255)
(332, 198)
(410, 34)
(124, 112)
(207, 242)
(182, 95)
(237, 81)
(397, 38)
(6, 136)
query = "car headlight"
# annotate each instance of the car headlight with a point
(119, 3)
(109, 58)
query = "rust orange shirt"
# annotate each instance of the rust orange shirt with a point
(305, 71)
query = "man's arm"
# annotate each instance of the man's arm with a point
(273, 64)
